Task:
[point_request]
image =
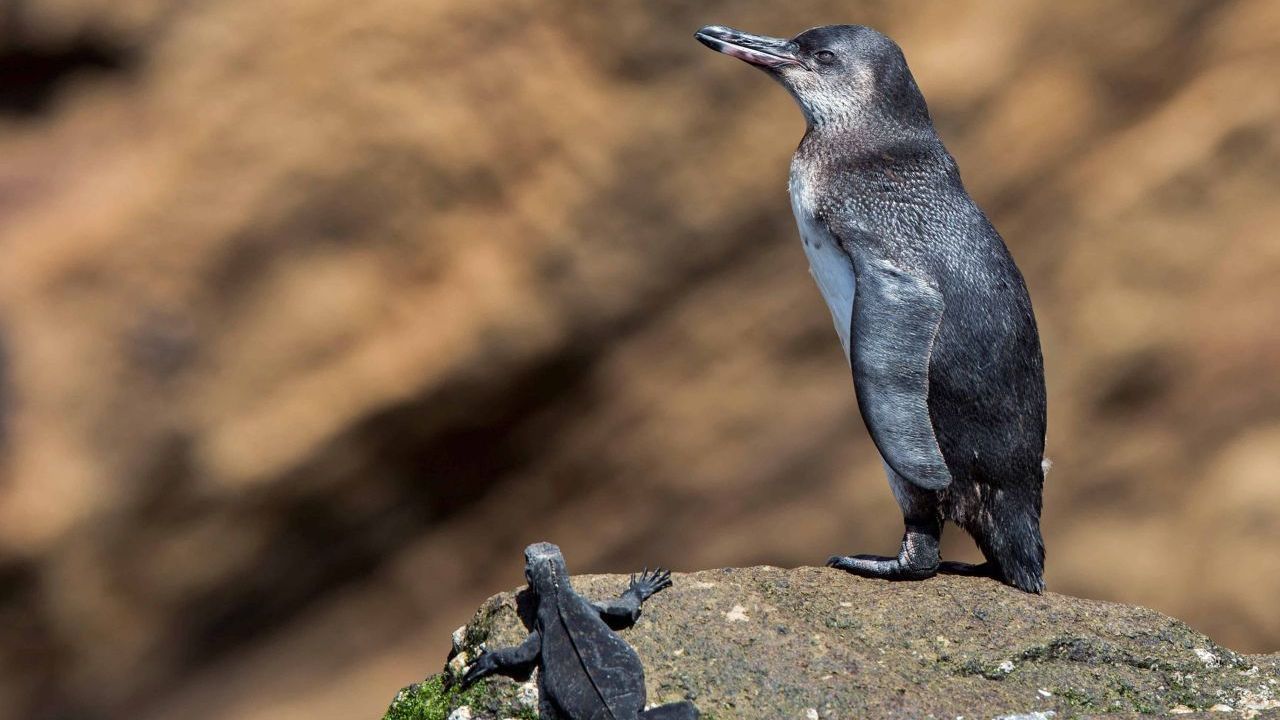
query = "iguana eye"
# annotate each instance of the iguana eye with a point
(825, 57)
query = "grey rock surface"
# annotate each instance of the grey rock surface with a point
(807, 643)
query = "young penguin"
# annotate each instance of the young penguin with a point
(933, 314)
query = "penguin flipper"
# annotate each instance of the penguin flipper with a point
(895, 320)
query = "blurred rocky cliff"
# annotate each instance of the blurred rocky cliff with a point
(314, 313)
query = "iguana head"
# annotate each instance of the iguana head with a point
(544, 569)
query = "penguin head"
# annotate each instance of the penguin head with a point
(840, 75)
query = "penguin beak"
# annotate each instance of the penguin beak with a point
(760, 50)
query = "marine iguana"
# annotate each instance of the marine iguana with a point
(586, 671)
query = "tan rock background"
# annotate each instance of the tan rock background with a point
(314, 313)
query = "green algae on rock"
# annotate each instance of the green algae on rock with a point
(433, 700)
(771, 643)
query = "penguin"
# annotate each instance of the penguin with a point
(932, 313)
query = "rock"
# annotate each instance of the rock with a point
(765, 642)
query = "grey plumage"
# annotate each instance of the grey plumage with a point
(934, 316)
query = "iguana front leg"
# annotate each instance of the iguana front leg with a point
(625, 610)
(516, 661)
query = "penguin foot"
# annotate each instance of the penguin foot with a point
(877, 566)
(967, 569)
(917, 560)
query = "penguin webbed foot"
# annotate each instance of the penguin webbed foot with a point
(918, 560)
(878, 566)
(964, 569)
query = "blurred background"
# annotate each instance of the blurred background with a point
(313, 313)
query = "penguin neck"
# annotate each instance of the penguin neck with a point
(868, 132)
(872, 144)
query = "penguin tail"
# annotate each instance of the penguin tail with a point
(1011, 541)
(1025, 572)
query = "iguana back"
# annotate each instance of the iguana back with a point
(597, 675)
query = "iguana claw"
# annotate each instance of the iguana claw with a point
(649, 584)
(483, 666)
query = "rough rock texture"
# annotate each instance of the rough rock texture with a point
(769, 643)
(313, 313)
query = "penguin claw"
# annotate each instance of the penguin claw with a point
(847, 561)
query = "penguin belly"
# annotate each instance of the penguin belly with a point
(830, 266)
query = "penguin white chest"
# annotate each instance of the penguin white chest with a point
(830, 266)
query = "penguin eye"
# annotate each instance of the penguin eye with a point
(826, 57)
